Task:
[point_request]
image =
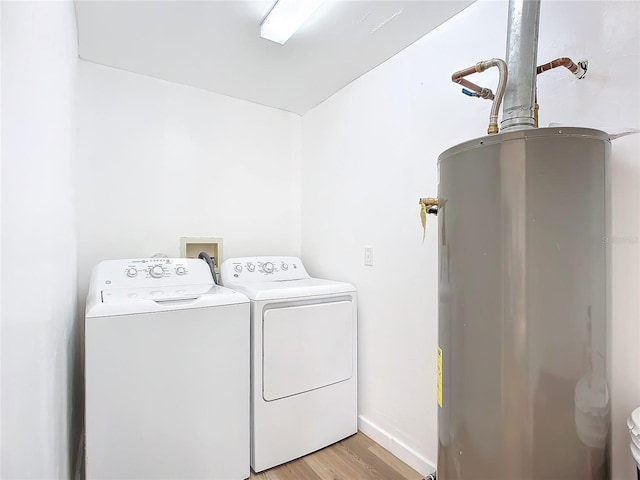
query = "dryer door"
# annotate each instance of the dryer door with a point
(306, 347)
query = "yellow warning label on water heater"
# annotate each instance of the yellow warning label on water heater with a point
(440, 377)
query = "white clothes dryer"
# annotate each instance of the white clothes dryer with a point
(166, 373)
(303, 357)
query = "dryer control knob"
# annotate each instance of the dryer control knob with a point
(132, 272)
(180, 270)
(267, 267)
(156, 271)
(251, 267)
(284, 266)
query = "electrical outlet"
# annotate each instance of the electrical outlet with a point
(368, 256)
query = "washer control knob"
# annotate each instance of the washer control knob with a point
(284, 266)
(180, 270)
(237, 268)
(132, 272)
(156, 271)
(251, 267)
(267, 267)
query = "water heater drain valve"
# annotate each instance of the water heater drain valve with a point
(427, 205)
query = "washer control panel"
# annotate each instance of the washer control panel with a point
(261, 269)
(152, 272)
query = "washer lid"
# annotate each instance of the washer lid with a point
(283, 289)
(168, 293)
(111, 302)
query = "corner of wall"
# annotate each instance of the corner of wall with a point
(404, 452)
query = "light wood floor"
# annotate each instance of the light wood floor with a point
(354, 458)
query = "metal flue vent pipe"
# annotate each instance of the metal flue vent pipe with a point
(522, 53)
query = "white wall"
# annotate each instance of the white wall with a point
(369, 153)
(0, 237)
(157, 161)
(147, 150)
(40, 425)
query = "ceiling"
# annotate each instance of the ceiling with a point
(216, 44)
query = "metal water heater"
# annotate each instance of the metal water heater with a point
(523, 305)
(522, 315)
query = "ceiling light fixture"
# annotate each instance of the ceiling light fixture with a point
(286, 17)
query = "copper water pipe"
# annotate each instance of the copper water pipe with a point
(579, 70)
(558, 62)
(483, 92)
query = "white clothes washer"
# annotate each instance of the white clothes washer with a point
(166, 373)
(303, 357)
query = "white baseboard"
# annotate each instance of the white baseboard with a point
(77, 474)
(400, 449)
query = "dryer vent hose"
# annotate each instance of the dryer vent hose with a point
(210, 261)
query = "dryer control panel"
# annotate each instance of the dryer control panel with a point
(261, 269)
(151, 272)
